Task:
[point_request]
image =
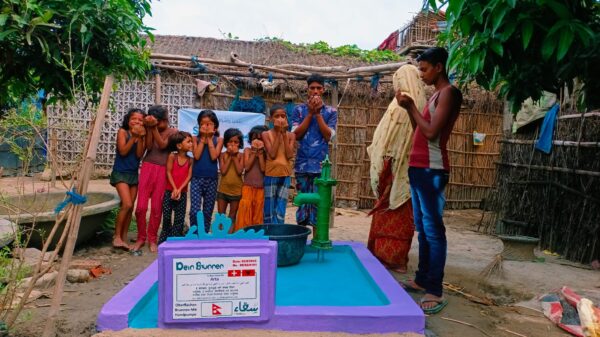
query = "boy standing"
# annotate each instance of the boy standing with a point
(428, 174)
(314, 124)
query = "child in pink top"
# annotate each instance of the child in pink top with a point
(152, 180)
(179, 174)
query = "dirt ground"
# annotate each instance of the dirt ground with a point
(468, 254)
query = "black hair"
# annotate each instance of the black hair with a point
(213, 118)
(434, 56)
(276, 107)
(233, 132)
(315, 78)
(177, 138)
(127, 117)
(159, 112)
(256, 131)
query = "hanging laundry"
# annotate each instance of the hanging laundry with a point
(544, 143)
(391, 42)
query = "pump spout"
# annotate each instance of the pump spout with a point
(307, 198)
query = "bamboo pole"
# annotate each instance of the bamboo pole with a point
(236, 60)
(331, 69)
(554, 142)
(378, 68)
(551, 168)
(157, 92)
(53, 152)
(587, 114)
(168, 57)
(225, 72)
(38, 271)
(334, 104)
(75, 216)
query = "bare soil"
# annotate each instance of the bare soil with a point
(469, 252)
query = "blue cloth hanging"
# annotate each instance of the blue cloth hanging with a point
(289, 110)
(201, 67)
(544, 143)
(73, 197)
(255, 104)
(374, 81)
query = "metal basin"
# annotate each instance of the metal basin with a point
(34, 213)
(291, 240)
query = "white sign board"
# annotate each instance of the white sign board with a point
(187, 120)
(214, 287)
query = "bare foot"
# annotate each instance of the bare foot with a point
(119, 244)
(399, 270)
(138, 245)
(153, 247)
(411, 285)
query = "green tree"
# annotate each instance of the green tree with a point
(524, 47)
(69, 46)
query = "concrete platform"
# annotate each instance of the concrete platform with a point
(342, 302)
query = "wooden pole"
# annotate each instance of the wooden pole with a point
(75, 216)
(334, 104)
(53, 151)
(157, 92)
(392, 67)
(331, 69)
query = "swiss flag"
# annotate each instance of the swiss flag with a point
(216, 310)
(234, 273)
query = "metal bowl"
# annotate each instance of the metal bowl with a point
(291, 241)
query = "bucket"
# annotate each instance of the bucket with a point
(291, 241)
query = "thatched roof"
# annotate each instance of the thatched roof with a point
(257, 52)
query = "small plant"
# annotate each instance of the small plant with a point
(9, 267)
(229, 36)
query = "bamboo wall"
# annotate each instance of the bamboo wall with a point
(554, 197)
(473, 168)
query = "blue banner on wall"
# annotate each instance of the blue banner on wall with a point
(187, 120)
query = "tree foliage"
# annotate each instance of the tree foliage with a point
(68, 46)
(524, 47)
(349, 50)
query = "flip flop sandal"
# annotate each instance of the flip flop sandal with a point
(441, 304)
(136, 252)
(408, 287)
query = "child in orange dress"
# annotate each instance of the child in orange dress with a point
(250, 211)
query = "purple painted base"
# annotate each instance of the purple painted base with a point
(401, 315)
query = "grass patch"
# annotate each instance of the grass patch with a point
(109, 223)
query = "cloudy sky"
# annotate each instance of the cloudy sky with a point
(365, 23)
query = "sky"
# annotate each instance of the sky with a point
(365, 23)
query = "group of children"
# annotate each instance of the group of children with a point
(254, 183)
